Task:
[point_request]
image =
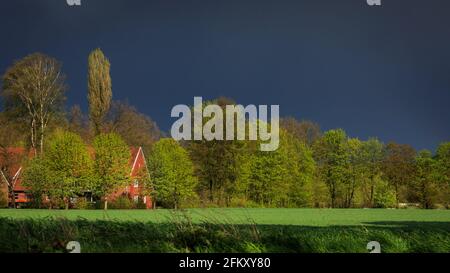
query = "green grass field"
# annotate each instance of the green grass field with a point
(226, 230)
(299, 217)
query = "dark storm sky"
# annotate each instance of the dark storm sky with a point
(374, 71)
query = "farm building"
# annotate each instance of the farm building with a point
(134, 190)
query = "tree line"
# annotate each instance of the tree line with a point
(75, 153)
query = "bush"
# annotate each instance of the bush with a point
(244, 203)
(83, 203)
(384, 196)
(237, 202)
(191, 202)
(140, 204)
(121, 202)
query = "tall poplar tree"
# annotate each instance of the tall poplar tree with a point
(99, 88)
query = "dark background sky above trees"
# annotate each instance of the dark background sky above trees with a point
(373, 71)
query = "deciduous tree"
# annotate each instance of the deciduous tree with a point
(99, 88)
(172, 173)
(332, 157)
(425, 178)
(66, 169)
(305, 130)
(443, 161)
(135, 128)
(110, 165)
(373, 154)
(36, 85)
(398, 167)
(216, 162)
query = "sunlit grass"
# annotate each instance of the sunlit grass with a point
(266, 216)
(226, 230)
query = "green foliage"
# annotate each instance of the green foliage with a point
(38, 177)
(332, 156)
(172, 173)
(372, 156)
(99, 88)
(140, 204)
(355, 172)
(443, 158)
(309, 169)
(111, 164)
(222, 167)
(68, 157)
(282, 178)
(384, 195)
(65, 171)
(302, 168)
(268, 175)
(425, 179)
(83, 204)
(122, 202)
(443, 165)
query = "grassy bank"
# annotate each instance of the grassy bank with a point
(226, 230)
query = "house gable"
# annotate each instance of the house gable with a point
(137, 165)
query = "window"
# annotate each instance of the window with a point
(136, 198)
(136, 183)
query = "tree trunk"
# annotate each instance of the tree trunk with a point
(333, 195)
(33, 135)
(106, 205)
(352, 195)
(372, 192)
(333, 198)
(12, 197)
(42, 137)
(211, 197)
(397, 196)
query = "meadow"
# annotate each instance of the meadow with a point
(226, 230)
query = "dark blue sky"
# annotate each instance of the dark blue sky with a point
(374, 71)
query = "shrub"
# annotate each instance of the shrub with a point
(191, 202)
(244, 203)
(82, 203)
(384, 196)
(122, 202)
(140, 204)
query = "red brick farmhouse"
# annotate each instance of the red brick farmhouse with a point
(134, 190)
